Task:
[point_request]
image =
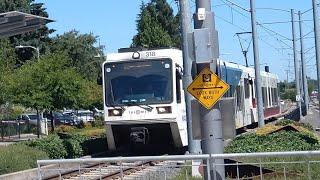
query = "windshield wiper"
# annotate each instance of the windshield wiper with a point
(143, 106)
(112, 98)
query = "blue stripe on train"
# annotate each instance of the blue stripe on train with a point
(230, 75)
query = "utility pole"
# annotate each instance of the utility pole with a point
(296, 64)
(303, 63)
(256, 64)
(185, 21)
(317, 41)
(287, 72)
(206, 55)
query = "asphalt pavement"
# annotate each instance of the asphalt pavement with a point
(313, 116)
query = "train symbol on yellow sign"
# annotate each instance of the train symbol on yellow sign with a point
(207, 88)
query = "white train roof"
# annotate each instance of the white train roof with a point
(248, 70)
(174, 54)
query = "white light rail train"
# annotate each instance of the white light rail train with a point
(144, 98)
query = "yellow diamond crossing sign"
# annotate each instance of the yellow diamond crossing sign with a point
(207, 88)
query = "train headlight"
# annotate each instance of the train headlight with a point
(114, 112)
(136, 55)
(164, 110)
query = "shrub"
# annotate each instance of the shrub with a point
(75, 145)
(98, 121)
(87, 125)
(64, 129)
(88, 145)
(73, 148)
(279, 141)
(18, 157)
(285, 122)
(80, 125)
(289, 94)
(52, 145)
(95, 145)
(94, 132)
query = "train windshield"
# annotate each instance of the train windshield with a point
(138, 82)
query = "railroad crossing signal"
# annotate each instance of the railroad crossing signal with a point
(207, 88)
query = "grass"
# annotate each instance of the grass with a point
(88, 130)
(93, 132)
(295, 167)
(17, 157)
(186, 173)
(267, 139)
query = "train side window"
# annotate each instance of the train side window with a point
(239, 90)
(178, 86)
(274, 96)
(270, 95)
(264, 96)
(246, 88)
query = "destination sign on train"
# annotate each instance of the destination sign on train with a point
(207, 88)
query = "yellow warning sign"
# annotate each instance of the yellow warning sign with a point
(207, 88)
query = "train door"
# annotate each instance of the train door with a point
(253, 107)
(181, 108)
(247, 102)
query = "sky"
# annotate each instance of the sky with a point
(114, 22)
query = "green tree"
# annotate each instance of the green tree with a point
(48, 84)
(82, 52)
(7, 61)
(27, 87)
(289, 94)
(12, 5)
(157, 26)
(312, 85)
(94, 96)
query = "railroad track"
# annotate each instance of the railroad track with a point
(134, 170)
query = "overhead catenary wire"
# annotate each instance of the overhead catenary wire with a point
(236, 9)
(243, 29)
(225, 20)
(275, 33)
(269, 31)
(304, 36)
(265, 28)
(309, 49)
(282, 22)
(237, 5)
(274, 9)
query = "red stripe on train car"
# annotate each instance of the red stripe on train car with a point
(270, 112)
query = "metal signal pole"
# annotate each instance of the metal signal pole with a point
(296, 64)
(206, 54)
(193, 145)
(303, 63)
(256, 64)
(317, 41)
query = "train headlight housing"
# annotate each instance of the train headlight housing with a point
(136, 55)
(164, 110)
(115, 112)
